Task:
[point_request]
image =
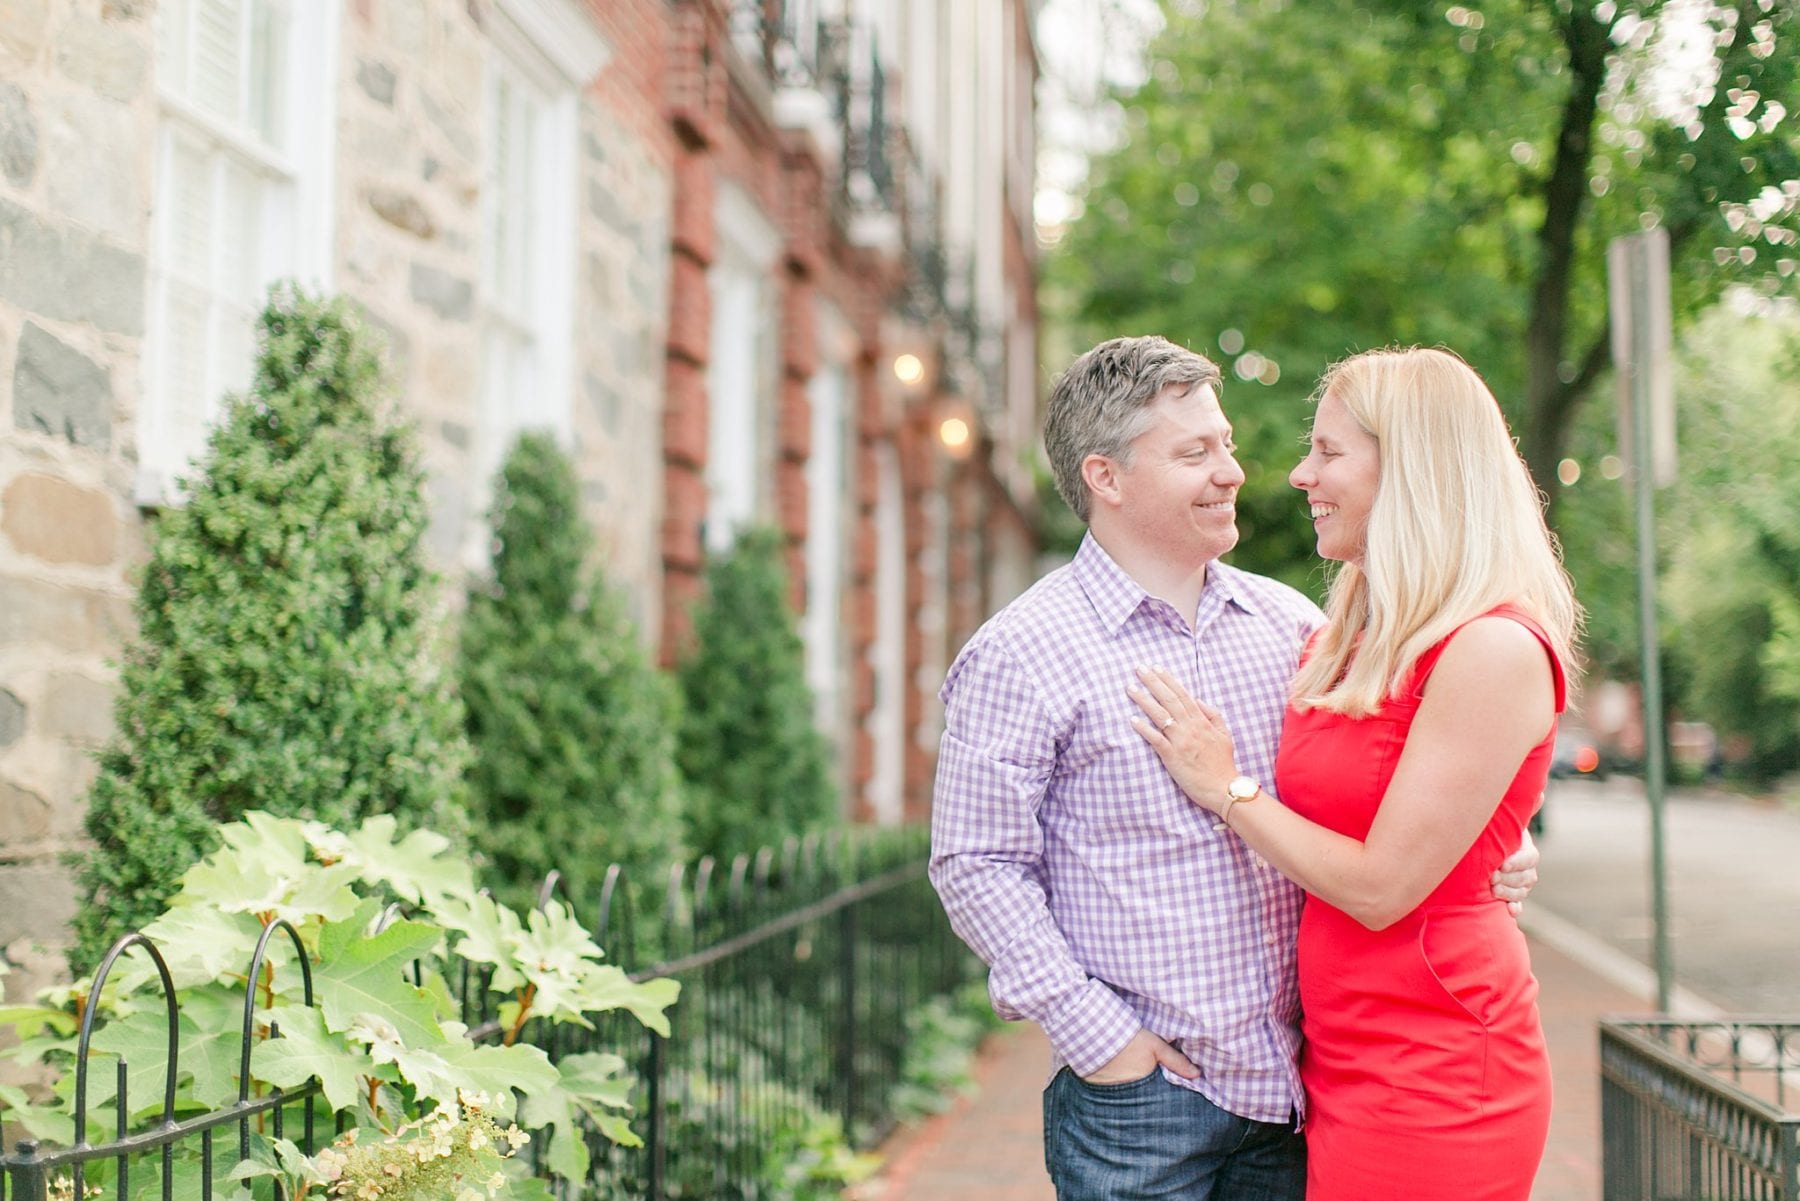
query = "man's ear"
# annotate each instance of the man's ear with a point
(1101, 475)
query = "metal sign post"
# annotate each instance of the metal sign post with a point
(1638, 286)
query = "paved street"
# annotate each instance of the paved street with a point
(1734, 886)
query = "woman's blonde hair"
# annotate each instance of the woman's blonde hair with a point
(1457, 527)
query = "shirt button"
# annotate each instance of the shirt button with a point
(1261, 863)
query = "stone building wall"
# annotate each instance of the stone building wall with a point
(76, 106)
(622, 324)
(78, 117)
(408, 221)
(409, 204)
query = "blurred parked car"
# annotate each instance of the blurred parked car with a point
(1575, 755)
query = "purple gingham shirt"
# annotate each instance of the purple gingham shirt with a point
(1103, 899)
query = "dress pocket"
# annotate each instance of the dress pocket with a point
(1464, 948)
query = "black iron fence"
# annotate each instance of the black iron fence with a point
(1700, 1111)
(799, 967)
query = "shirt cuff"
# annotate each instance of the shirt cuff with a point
(1091, 1027)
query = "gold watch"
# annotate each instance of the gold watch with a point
(1243, 788)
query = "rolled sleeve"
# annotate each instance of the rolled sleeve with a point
(994, 765)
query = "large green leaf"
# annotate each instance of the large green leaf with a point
(415, 866)
(28, 1020)
(336, 937)
(305, 1051)
(294, 891)
(489, 934)
(499, 1071)
(142, 1040)
(368, 977)
(212, 1045)
(201, 942)
(423, 1068)
(50, 1125)
(554, 1111)
(605, 987)
(600, 1087)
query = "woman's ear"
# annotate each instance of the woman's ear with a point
(1101, 475)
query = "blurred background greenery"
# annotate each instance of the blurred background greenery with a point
(1285, 183)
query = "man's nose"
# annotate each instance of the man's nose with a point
(1230, 470)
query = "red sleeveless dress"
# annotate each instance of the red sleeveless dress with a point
(1425, 1067)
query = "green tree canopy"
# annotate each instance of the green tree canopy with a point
(1300, 181)
(1731, 588)
(573, 728)
(287, 653)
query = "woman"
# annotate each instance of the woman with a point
(1415, 747)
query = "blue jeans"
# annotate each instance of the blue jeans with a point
(1151, 1139)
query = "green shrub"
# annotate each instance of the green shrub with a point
(943, 1036)
(573, 729)
(756, 766)
(286, 655)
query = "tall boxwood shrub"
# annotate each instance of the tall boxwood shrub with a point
(756, 765)
(573, 728)
(287, 655)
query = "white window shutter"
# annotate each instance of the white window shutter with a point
(218, 57)
(172, 20)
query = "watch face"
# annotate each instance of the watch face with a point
(1243, 788)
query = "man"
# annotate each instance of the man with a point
(1155, 950)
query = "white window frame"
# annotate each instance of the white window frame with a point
(885, 793)
(534, 390)
(743, 366)
(831, 394)
(292, 237)
(547, 52)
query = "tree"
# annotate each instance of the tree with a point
(1300, 181)
(287, 650)
(1732, 571)
(1728, 557)
(573, 730)
(756, 766)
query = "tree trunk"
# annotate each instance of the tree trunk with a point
(1550, 399)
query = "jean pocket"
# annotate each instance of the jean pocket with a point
(1119, 1086)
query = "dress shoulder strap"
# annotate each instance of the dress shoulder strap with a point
(1427, 661)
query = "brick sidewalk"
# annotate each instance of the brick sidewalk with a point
(990, 1146)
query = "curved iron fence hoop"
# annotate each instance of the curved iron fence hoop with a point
(92, 1008)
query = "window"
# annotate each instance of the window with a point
(886, 721)
(242, 198)
(743, 368)
(828, 508)
(529, 249)
(543, 54)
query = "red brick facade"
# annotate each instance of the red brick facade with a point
(684, 81)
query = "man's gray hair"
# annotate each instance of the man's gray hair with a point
(1102, 403)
